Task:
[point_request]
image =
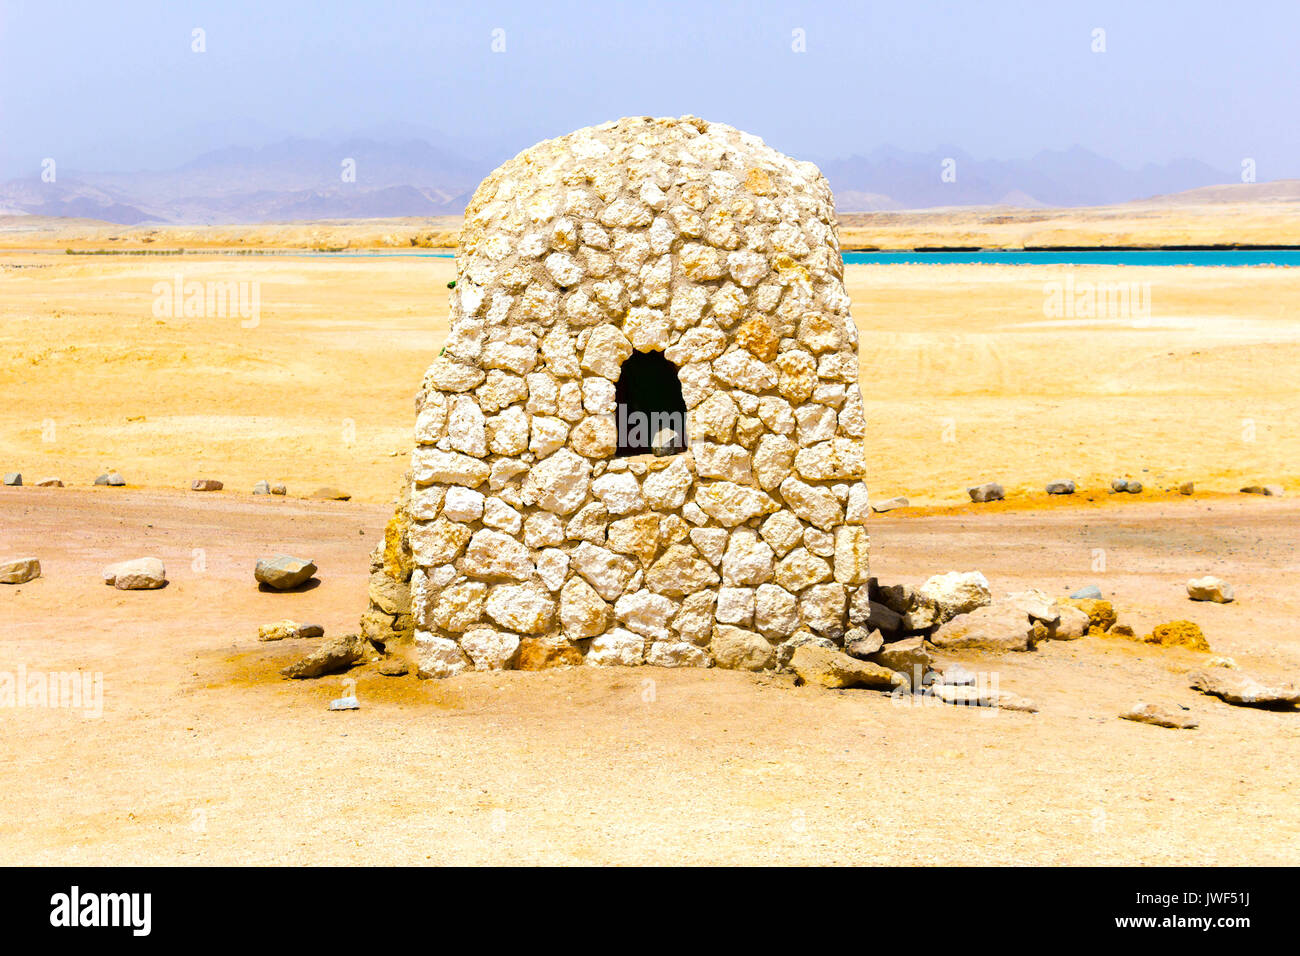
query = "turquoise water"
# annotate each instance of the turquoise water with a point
(1089, 257)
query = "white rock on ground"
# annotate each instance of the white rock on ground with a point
(1209, 588)
(139, 574)
(956, 592)
(19, 570)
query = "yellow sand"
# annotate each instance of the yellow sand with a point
(966, 376)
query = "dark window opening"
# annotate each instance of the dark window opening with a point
(651, 413)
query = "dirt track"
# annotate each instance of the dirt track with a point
(204, 754)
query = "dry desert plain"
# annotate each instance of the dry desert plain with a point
(204, 754)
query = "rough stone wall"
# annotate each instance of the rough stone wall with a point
(531, 543)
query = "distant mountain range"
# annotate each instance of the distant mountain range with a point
(304, 179)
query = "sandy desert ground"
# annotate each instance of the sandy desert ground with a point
(967, 375)
(204, 753)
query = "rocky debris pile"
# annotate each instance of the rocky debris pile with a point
(902, 670)
(1209, 588)
(13, 479)
(283, 572)
(1175, 718)
(1101, 614)
(1272, 491)
(112, 479)
(19, 570)
(1236, 687)
(1125, 486)
(889, 504)
(1063, 486)
(388, 620)
(989, 491)
(827, 667)
(139, 574)
(206, 484)
(330, 658)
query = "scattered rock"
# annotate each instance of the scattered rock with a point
(1125, 486)
(956, 592)
(1209, 588)
(1273, 491)
(1170, 717)
(279, 631)
(262, 488)
(337, 655)
(1122, 630)
(1063, 486)
(861, 643)
(976, 695)
(14, 479)
(393, 666)
(283, 572)
(19, 571)
(1234, 687)
(279, 490)
(112, 479)
(833, 669)
(1101, 614)
(1072, 625)
(1221, 662)
(1186, 488)
(140, 574)
(311, 630)
(330, 494)
(1089, 593)
(1178, 634)
(889, 504)
(49, 483)
(909, 656)
(206, 484)
(345, 703)
(1003, 626)
(989, 491)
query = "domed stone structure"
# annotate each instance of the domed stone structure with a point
(642, 442)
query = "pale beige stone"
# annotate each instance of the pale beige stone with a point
(583, 612)
(494, 556)
(731, 504)
(799, 569)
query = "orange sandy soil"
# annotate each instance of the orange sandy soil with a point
(966, 378)
(204, 754)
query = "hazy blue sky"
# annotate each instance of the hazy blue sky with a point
(102, 85)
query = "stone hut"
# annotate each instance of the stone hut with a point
(642, 442)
